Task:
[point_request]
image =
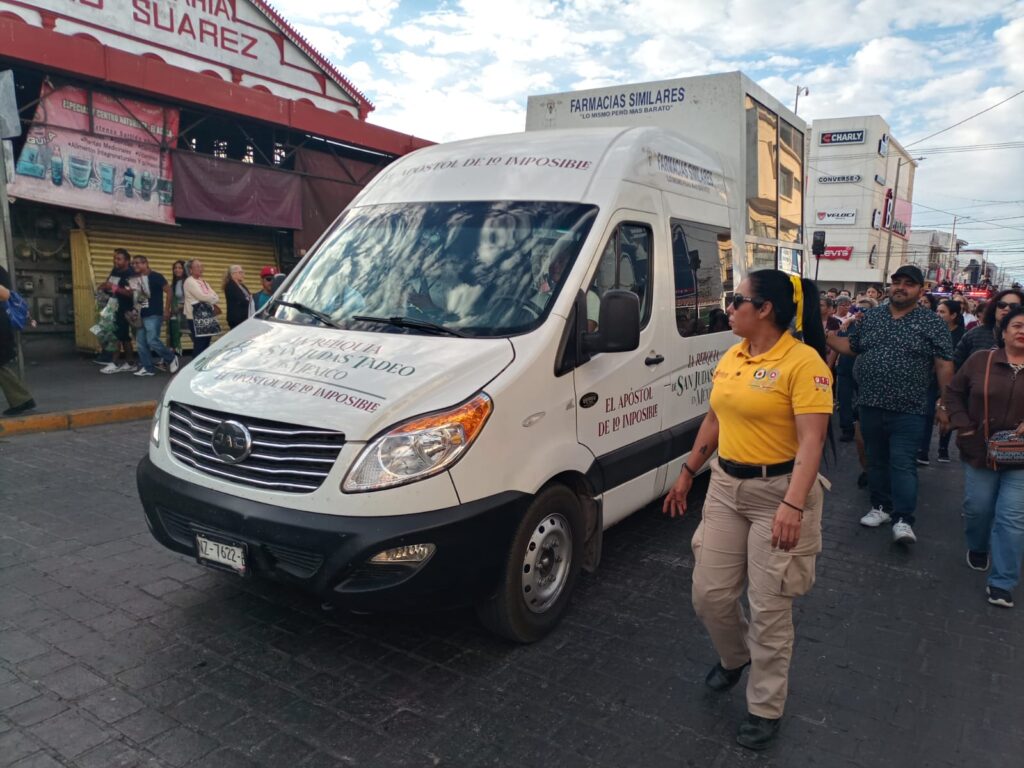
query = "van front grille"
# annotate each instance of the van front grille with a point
(283, 458)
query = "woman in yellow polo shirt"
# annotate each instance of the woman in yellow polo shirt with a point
(771, 400)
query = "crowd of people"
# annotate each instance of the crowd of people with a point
(901, 360)
(135, 301)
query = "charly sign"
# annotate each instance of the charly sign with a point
(94, 151)
(830, 138)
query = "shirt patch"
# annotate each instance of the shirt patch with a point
(822, 383)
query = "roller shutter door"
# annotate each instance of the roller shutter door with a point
(217, 246)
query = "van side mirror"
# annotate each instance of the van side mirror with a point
(618, 327)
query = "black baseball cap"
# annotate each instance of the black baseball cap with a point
(910, 272)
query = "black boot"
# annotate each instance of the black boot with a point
(722, 679)
(757, 732)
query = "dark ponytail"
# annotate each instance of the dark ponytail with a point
(776, 286)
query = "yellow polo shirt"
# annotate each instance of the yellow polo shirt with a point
(756, 399)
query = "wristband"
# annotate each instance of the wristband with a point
(687, 468)
(794, 506)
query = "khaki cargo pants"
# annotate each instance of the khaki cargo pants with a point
(732, 545)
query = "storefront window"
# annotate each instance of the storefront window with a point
(761, 257)
(791, 182)
(762, 170)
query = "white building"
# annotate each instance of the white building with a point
(935, 252)
(861, 184)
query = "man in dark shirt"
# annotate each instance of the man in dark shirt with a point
(897, 347)
(117, 285)
(152, 295)
(19, 399)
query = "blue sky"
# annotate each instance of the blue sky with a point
(450, 70)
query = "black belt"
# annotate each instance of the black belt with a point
(747, 471)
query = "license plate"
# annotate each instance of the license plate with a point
(221, 554)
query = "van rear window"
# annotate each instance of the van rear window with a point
(480, 269)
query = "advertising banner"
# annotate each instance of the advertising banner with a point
(841, 216)
(97, 152)
(838, 252)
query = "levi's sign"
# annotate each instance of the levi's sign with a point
(837, 216)
(841, 137)
(838, 252)
(852, 178)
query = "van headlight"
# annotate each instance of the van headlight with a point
(418, 448)
(154, 431)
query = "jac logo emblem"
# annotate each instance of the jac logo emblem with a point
(588, 400)
(231, 442)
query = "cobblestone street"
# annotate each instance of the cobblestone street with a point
(116, 652)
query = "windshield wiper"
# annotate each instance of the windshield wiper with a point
(321, 316)
(408, 322)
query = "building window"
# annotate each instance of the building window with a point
(625, 264)
(250, 154)
(280, 153)
(762, 170)
(699, 290)
(791, 182)
(220, 148)
(761, 257)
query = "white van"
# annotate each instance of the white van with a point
(490, 358)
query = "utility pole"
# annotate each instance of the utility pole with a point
(952, 250)
(892, 217)
(800, 90)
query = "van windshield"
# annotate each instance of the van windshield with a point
(469, 268)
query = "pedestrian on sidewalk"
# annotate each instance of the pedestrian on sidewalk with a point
(117, 285)
(19, 399)
(266, 287)
(771, 400)
(983, 335)
(153, 302)
(198, 291)
(897, 347)
(238, 297)
(177, 320)
(993, 506)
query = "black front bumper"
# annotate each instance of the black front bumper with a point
(329, 554)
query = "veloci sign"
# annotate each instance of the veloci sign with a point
(829, 138)
(841, 216)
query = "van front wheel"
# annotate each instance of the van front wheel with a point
(541, 571)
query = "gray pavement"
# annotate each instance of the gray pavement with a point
(116, 652)
(61, 378)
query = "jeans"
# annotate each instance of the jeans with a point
(147, 337)
(199, 343)
(891, 440)
(926, 439)
(994, 520)
(845, 389)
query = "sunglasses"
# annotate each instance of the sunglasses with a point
(738, 299)
(1007, 304)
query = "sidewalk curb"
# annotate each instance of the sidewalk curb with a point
(82, 417)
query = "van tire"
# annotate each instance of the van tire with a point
(541, 570)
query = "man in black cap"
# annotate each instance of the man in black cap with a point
(897, 347)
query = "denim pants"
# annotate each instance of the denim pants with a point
(845, 388)
(147, 337)
(891, 440)
(929, 427)
(994, 520)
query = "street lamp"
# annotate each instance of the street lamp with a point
(895, 194)
(800, 90)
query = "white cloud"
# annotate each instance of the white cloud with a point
(1011, 49)
(371, 17)
(331, 43)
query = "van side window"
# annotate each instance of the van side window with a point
(625, 264)
(702, 271)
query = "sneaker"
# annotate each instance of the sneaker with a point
(127, 368)
(875, 517)
(14, 410)
(922, 460)
(110, 368)
(1000, 597)
(144, 372)
(174, 365)
(977, 560)
(943, 457)
(902, 533)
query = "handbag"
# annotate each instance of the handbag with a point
(204, 320)
(17, 311)
(1004, 449)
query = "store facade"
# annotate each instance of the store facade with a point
(203, 129)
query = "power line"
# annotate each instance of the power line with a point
(976, 114)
